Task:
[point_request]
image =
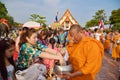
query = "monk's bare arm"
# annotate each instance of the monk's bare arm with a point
(71, 75)
(77, 73)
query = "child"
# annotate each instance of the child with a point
(62, 37)
(7, 66)
(49, 62)
(64, 52)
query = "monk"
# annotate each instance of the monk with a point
(107, 42)
(85, 55)
(116, 46)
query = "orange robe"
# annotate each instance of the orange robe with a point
(118, 50)
(115, 48)
(107, 43)
(86, 57)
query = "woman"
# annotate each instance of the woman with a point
(42, 37)
(31, 49)
(7, 66)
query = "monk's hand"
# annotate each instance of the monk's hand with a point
(68, 75)
(71, 75)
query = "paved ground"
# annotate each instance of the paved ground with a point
(109, 70)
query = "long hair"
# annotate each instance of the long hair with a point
(43, 33)
(5, 44)
(52, 41)
(3, 30)
(25, 34)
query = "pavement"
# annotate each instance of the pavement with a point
(109, 70)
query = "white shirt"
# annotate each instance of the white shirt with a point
(97, 36)
(10, 70)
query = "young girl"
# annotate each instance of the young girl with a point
(63, 52)
(50, 62)
(7, 66)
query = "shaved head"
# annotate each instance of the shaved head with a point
(76, 33)
(76, 27)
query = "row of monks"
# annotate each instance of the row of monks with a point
(112, 44)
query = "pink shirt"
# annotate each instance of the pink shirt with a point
(87, 33)
(49, 62)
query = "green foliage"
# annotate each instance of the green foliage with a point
(115, 16)
(4, 14)
(45, 29)
(99, 14)
(3, 10)
(116, 26)
(38, 18)
(92, 23)
(107, 31)
(44, 25)
(115, 19)
(16, 24)
(10, 19)
(96, 19)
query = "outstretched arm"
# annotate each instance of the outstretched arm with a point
(49, 50)
(53, 56)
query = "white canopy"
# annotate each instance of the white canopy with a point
(32, 24)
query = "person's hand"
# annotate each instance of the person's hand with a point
(71, 42)
(62, 51)
(62, 61)
(59, 54)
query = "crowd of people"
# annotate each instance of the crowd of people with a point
(84, 49)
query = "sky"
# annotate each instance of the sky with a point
(82, 10)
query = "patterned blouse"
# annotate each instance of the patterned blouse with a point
(28, 53)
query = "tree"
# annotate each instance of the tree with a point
(4, 14)
(16, 24)
(3, 10)
(91, 23)
(44, 25)
(96, 19)
(38, 18)
(99, 14)
(10, 19)
(115, 19)
(115, 16)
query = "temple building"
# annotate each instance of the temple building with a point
(67, 20)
